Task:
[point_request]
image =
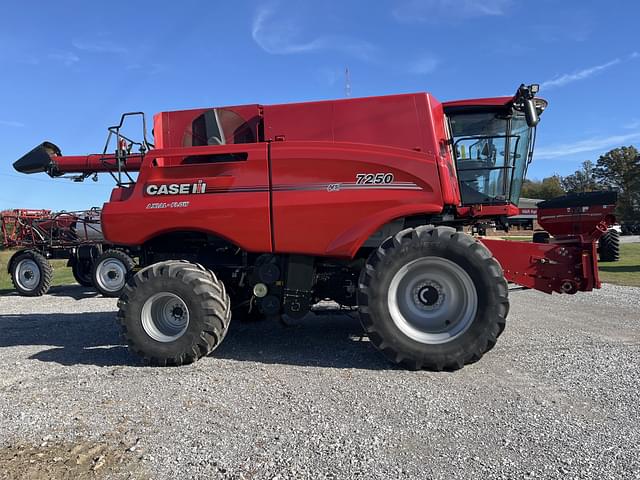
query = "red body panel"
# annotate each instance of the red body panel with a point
(235, 206)
(401, 121)
(319, 209)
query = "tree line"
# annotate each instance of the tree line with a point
(617, 170)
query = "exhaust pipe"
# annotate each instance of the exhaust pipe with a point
(40, 159)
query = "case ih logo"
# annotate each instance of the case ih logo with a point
(176, 188)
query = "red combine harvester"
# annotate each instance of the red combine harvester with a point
(40, 235)
(268, 209)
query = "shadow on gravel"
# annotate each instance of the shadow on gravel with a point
(78, 338)
(77, 292)
(328, 340)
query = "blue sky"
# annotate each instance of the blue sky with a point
(69, 68)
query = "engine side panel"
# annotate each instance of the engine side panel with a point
(328, 198)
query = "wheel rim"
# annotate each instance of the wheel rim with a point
(165, 317)
(27, 274)
(111, 275)
(432, 300)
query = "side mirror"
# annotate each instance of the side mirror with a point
(530, 112)
(524, 96)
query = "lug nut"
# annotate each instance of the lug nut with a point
(260, 290)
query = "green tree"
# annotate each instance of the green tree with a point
(545, 189)
(582, 180)
(620, 169)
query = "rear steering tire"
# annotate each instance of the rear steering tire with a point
(609, 246)
(110, 272)
(433, 298)
(31, 273)
(174, 312)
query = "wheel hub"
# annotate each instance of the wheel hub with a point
(428, 295)
(27, 274)
(165, 317)
(111, 274)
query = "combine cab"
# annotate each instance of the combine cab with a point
(264, 210)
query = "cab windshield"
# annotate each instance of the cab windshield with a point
(492, 150)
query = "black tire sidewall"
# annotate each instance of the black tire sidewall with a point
(474, 339)
(45, 271)
(82, 273)
(135, 329)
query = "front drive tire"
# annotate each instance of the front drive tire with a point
(433, 298)
(110, 272)
(31, 273)
(173, 313)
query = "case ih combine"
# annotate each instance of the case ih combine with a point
(40, 235)
(259, 209)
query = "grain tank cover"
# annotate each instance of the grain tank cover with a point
(403, 121)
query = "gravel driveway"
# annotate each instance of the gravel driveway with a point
(557, 398)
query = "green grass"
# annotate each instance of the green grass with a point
(627, 270)
(61, 273)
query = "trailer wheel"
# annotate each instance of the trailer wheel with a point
(82, 273)
(110, 272)
(433, 298)
(609, 246)
(31, 273)
(174, 312)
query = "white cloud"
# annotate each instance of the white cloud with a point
(98, 46)
(66, 58)
(418, 11)
(582, 146)
(579, 75)
(424, 65)
(281, 36)
(11, 123)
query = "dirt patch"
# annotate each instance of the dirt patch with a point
(70, 461)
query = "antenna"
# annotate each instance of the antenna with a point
(347, 83)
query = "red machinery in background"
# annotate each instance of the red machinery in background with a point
(41, 235)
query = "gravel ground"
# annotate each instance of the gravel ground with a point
(557, 398)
